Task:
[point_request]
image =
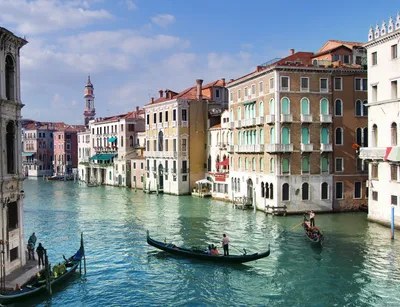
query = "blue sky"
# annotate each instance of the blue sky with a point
(133, 48)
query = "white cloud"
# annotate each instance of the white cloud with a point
(163, 20)
(130, 5)
(41, 16)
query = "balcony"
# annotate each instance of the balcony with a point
(307, 147)
(326, 147)
(259, 148)
(277, 148)
(231, 125)
(185, 123)
(249, 122)
(222, 146)
(325, 118)
(159, 125)
(286, 118)
(173, 124)
(306, 118)
(165, 124)
(270, 119)
(238, 124)
(260, 120)
(173, 170)
(372, 153)
(231, 148)
(184, 171)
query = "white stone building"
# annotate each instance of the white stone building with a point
(383, 151)
(11, 182)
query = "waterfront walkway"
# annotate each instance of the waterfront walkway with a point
(22, 275)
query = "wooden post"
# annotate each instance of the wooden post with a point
(47, 272)
(84, 253)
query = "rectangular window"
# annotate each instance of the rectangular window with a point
(339, 164)
(141, 165)
(154, 118)
(148, 146)
(184, 115)
(346, 59)
(239, 94)
(160, 117)
(304, 84)
(12, 213)
(285, 84)
(174, 145)
(375, 195)
(166, 116)
(338, 84)
(358, 60)
(13, 254)
(335, 57)
(271, 84)
(174, 115)
(374, 56)
(359, 165)
(374, 171)
(393, 85)
(253, 89)
(261, 87)
(230, 96)
(393, 200)
(394, 51)
(357, 190)
(155, 145)
(184, 178)
(393, 172)
(166, 145)
(134, 165)
(184, 148)
(184, 167)
(339, 190)
(374, 93)
(217, 93)
(245, 92)
(323, 85)
(361, 84)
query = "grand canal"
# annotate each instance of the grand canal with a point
(358, 266)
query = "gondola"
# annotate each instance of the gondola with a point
(37, 285)
(317, 239)
(200, 254)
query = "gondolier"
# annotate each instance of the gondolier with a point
(225, 244)
(312, 218)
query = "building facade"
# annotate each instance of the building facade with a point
(383, 151)
(176, 136)
(12, 245)
(282, 124)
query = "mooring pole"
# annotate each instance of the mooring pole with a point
(392, 222)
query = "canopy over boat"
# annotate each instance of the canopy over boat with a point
(200, 254)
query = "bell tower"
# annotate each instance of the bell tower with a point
(90, 111)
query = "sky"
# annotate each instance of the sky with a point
(134, 48)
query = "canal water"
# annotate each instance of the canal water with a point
(358, 266)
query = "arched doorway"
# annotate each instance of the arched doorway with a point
(249, 191)
(160, 177)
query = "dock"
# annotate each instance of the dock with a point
(22, 275)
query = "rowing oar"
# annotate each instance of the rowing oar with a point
(296, 226)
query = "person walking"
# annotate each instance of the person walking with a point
(225, 244)
(32, 239)
(31, 251)
(40, 253)
(312, 219)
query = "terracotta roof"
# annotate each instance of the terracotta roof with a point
(219, 82)
(332, 44)
(216, 126)
(331, 50)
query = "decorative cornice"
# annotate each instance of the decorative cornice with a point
(382, 39)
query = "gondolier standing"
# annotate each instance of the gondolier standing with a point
(312, 219)
(225, 244)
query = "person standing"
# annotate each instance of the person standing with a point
(40, 253)
(31, 251)
(32, 239)
(312, 219)
(225, 244)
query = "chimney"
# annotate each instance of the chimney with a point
(199, 95)
(161, 93)
(291, 51)
(223, 81)
(152, 99)
(137, 109)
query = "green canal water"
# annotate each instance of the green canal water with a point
(358, 266)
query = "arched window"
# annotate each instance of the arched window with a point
(233, 184)
(109, 175)
(231, 115)
(285, 166)
(239, 114)
(131, 143)
(231, 162)
(266, 190)
(239, 163)
(374, 135)
(305, 191)
(305, 135)
(272, 165)
(238, 185)
(365, 137)
(305, 165)
(262, 189)
(240, 138)
(231, 138)
(261, 164)
(285, 105)
(305, 106)
(160, 141)
(261, 136)
(324, 191)
(271, 191)
(285, 192)
(272, 135)
(10, 78)
(339, 136)
(218, 140)
(365, 108)
(359, 108)
(261, 109)
(272, 106)
(253, 162)
(10, 136)
(324, 106)
(324, 165)
(246, 163)
(359, 136)
(285, 135)
(393, 131)
(338, 107)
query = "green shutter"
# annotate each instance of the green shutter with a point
(324, 107)
(262, 164)
(324, 164)
(272, 135)
(285, 165)
(285, 135)
(305, 165)
(272, 106)
(261, 110)
(305, 135)
(285, 106)
(304, 106)
(324, 135)
(262, 136)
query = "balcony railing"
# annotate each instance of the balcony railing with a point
(184, 171)
(231, 148)
(279, 148)
(270, 119)
(307, 147)
(286, 118)
(185, 124)
(259, 148)
(165, 124)
(373, 153)
(260, 120)
(238, 124)
(249, 122)
(326, 147)
(160, 154)
(231, 125)
(173, 170)
(325, 118)
(222, 145)
(306, 118)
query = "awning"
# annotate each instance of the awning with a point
(94, 157)
(250, 102)
(113, 139)
(105, 157)
(203, 181)
(393, 154)
(28, 154)
(224, 162)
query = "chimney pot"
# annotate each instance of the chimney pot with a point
(291, 51)
(199, 95)
(161, 92)
(152, 99)
(223, 81)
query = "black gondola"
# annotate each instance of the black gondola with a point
(38, 285)
(199, 254)
(313, 233)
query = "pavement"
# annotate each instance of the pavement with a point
(22, 275)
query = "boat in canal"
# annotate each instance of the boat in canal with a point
(200, 254)
(313, 233)
(38, 284)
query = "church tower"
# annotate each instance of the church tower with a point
(90, 111)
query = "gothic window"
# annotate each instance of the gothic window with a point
(271, 191)
(374, 135)
(10, 135)
(324, 191)
(10, 78)
(393, 130)
(262, 189)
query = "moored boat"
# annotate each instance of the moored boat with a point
(200, 254)
(39, 284)
(313, 233)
